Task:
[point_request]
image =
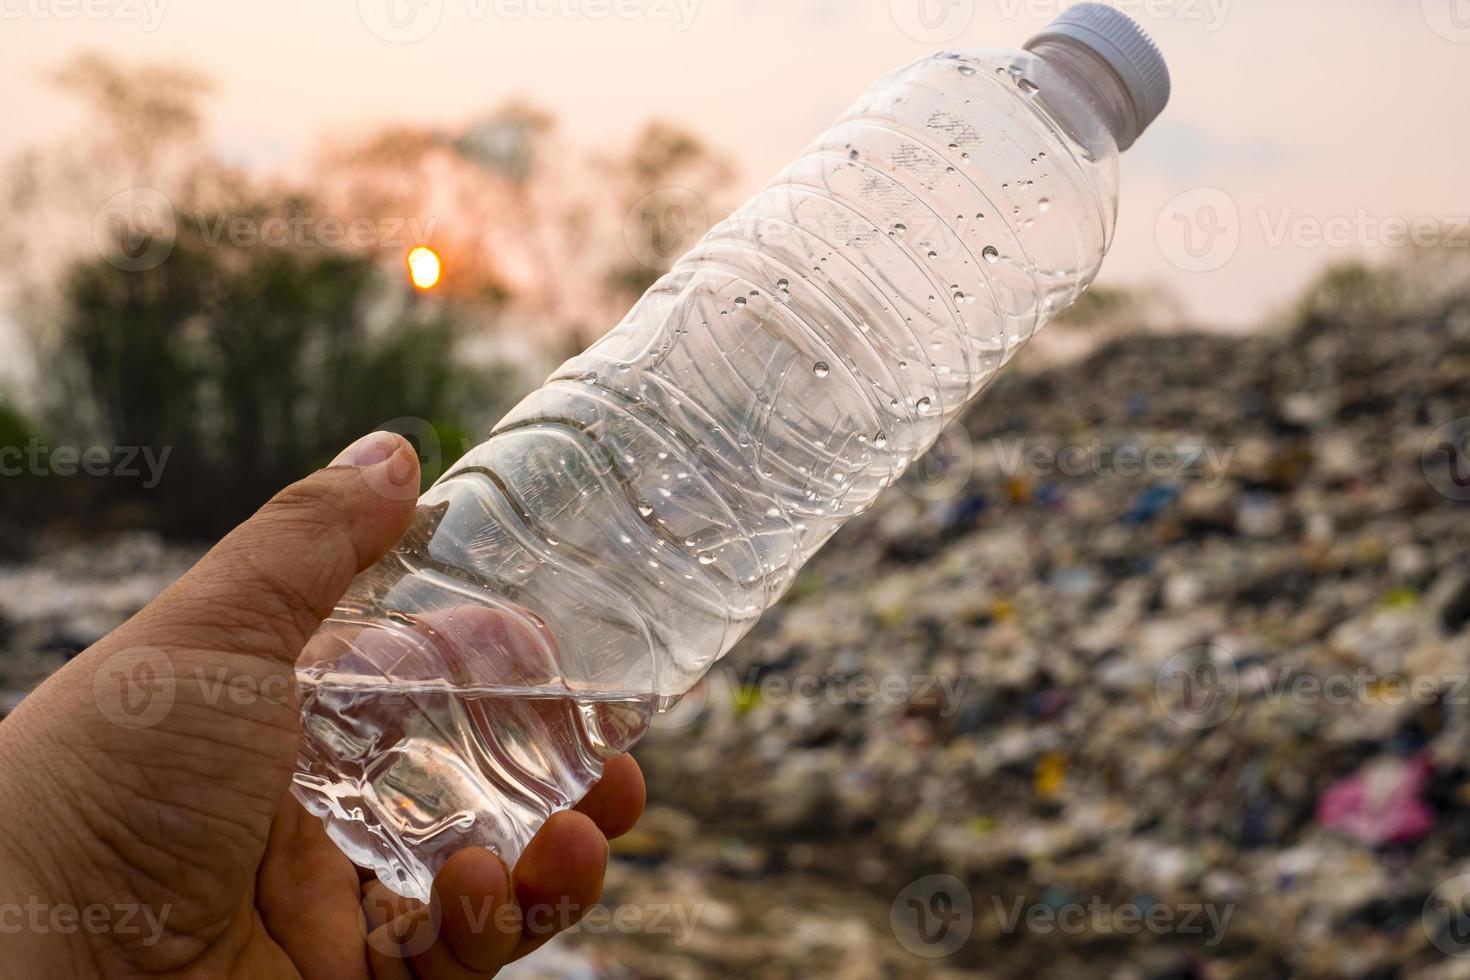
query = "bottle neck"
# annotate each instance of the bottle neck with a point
(1101, 88)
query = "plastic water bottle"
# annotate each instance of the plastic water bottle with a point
(628, 522)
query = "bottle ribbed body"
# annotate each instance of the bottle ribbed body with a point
(626, 523)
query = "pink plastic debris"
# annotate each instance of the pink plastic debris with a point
(1381, 803)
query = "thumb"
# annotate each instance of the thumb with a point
(271, 581)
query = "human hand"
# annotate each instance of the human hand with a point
(167, 842)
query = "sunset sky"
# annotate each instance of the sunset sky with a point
(1291, 121)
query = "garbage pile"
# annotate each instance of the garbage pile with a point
(1159, 667)
(70, 594)
(1179, 630)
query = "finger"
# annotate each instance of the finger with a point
(559, 877)
(307, 894)
(381, 905)
(479, 919)
(471, 928)
(391, 947)
(273, 579)
(616, 801)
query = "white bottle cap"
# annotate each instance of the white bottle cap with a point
(1115, 38)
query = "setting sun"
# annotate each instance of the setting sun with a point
(424, 267)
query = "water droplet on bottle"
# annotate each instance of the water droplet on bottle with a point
(821, 369)
(740, 300)
(1027, 86)
(783, 283)
(959, 297)
(1044, 205)
(966, 70)
(881, 441)
(933, 254)
(923, 405)
(852, 154)
(552, 541)
(990, 254)
(645, 509)
(706, 559)
(900, 227)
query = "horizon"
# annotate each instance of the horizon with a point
(1232, 201)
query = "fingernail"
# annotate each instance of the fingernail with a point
(371, 448)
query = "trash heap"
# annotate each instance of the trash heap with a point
(1179, 632)
(1180, 627)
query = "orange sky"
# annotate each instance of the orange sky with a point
(1298, 132)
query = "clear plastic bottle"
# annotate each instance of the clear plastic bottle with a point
(629, 521)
